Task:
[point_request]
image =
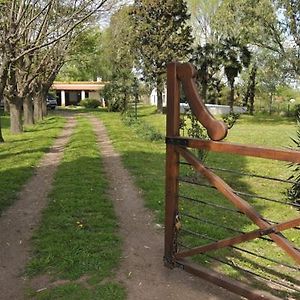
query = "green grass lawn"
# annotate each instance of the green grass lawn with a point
(20, 154)
(146, 161)
(78, 235)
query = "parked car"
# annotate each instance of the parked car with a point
(51, 102)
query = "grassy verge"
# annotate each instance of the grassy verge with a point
(20, 154)
(146, 161)
(78, 234)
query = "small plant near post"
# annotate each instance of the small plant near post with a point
(293, 192)
(230, 119)
(192, 127)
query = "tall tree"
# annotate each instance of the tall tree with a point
(161, 34)
(268, 24)
(235, 57)
(88, 57)
(119, 92)
(249, 97)
(208, 61)
(202, 16)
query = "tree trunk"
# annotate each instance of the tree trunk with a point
(37, 109)
(231, 96)
(6, 106)
(252, 89)
(15, 109)
(44, 108)
(270, 104)
(159, 92)
(28, 111)
(204, 83)
(204, 91)
(1, 136)
(3, 79)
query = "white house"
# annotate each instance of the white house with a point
(71, 93)
(153, 97)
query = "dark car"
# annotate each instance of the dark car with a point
(51, 102)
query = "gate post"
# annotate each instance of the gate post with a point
(172, 163)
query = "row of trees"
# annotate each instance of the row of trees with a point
(36, 38)
(256, 42)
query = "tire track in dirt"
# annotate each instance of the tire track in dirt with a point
(141, 270)
(19, 221)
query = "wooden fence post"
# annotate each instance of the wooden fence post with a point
(172, 162)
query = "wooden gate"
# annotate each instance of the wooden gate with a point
(208, 244)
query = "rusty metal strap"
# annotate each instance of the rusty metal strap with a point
(240, 238)
(177, 141)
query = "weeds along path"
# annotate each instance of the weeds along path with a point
(141, 270)
(20, 220)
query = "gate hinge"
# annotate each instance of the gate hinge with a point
(177, 141)
(169, 262)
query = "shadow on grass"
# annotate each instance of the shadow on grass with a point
(267, 119)
(11, 182)
(5, 124)
(23, 152)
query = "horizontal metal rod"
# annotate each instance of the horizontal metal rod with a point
(242, 249)
(218, 225)
(247, 174)
(182, 179)
(210, 222)
(245, 237)
(255, 175)
(210, 204)
(224, 208)
(268, 279)
(267, 199)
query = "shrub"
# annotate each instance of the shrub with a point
(193, 128)
(230, 119)
(297, 110)
(143, 129)
(90, 103)
(293, 192)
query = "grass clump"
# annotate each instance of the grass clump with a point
(78, 235)
(143, 129)
(21, 153)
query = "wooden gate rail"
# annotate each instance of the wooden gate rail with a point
(176, 146)
(233, 148)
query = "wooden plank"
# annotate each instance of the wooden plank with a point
(240, 238)
(229, 284)
(240, 203)
(217, 130)
(172, 163)
(245, 150)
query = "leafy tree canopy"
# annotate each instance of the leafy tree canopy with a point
(161, 35)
